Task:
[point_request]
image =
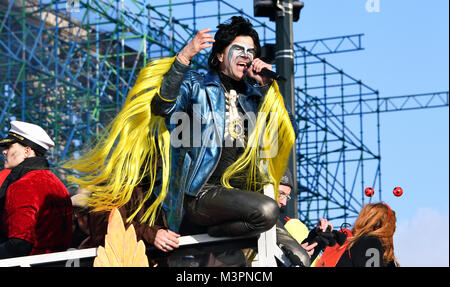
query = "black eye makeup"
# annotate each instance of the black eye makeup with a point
(248, 52)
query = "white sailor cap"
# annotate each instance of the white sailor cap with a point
(28, 135)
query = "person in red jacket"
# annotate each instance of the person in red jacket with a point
(35, 206)
(3, 175)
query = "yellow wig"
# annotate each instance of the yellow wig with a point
(131, 144)
(129, 149)
(269, 145)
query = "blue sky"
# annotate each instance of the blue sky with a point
(406, 52)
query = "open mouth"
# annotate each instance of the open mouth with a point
(243, 65)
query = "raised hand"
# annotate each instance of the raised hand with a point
(323, 225)
(309, 247)
(202, 40)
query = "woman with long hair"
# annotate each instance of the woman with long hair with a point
(372, 242)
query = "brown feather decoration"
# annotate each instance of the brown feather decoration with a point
(121, 246)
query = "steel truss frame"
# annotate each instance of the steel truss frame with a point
(69, 68)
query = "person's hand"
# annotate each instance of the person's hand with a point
(256, 67)
(202, 40)
(323, 225)
(166, 240)
(309, 247)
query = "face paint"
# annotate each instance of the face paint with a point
(237, 56)
(240, 50)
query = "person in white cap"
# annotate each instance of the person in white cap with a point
(35, 206)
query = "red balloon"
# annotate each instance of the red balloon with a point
(398, 191)
(369, 191)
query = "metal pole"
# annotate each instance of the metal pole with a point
(284, 59)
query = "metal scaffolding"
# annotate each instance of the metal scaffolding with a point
(68, 66)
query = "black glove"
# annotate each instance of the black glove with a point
(340, 237)
(296, 254)
(15, 247)
(324, 239)
(295, 260)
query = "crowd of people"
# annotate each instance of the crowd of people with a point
(209, 181)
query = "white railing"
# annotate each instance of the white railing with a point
(268, 250)
(70, 256)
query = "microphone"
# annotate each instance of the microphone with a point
(268, 73)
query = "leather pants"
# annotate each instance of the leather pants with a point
(232, 212)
